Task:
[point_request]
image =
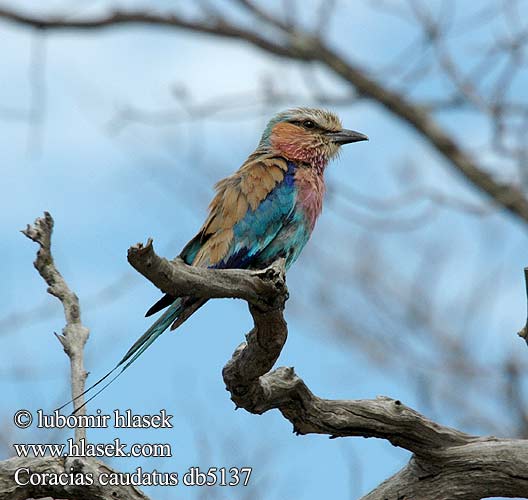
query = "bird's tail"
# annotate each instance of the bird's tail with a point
(177, 313)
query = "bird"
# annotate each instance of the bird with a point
(264, 211)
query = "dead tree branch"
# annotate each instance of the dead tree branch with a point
(76, 468)
(74, 334)
(296, 44)
(446, 463)
(260, 288)
(83, 472)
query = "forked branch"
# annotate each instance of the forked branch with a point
(446, 463)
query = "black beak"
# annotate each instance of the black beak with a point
(346, 136)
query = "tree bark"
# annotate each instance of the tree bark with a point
(446, 463)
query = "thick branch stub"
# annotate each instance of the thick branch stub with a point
(265, 289)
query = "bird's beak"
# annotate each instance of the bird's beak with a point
(346, 136)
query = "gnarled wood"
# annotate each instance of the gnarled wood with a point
(446, 463)
(69, 468)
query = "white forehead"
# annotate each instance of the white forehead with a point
(323, 118)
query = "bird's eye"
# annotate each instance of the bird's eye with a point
(308, 124)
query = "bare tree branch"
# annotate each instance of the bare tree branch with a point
(74, 334)
(299, 45)
(220, 107)
(121, 17)
(14, 473)
(446, 463)
(261, 14)
(487, 467)
(178, 279)
(59, 467)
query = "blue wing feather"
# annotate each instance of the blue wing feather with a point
(191, 249)
(257, 229)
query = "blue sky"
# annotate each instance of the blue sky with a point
(109, 188)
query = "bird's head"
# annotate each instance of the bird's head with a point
(309, 135)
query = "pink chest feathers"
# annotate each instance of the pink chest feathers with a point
(310, 192)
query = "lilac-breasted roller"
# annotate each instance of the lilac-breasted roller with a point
(266, 210)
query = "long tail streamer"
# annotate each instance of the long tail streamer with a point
(139, 347)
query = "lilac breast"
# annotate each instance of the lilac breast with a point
(310, 192)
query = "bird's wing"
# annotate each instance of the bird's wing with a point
(246, 213)
(248, 210)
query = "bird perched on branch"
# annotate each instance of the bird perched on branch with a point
(266, 210)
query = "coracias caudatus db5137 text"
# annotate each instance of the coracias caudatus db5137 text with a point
(266, 210)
